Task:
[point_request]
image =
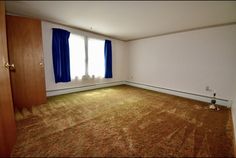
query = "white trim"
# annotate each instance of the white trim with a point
(233, 111)
(82, 88)
(223, 102)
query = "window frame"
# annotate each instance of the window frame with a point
(86, 38)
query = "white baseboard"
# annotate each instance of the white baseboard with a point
(82, 88)
(207, 99)
(233, 112)
(223, 102)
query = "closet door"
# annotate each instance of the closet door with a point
(7, 121)
(25, 51)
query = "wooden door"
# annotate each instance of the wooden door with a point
(7, 120)
(25, 51)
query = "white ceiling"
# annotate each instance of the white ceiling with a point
(128, 20)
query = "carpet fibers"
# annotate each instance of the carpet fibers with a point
(123, 121)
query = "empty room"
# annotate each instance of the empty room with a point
(117, 78)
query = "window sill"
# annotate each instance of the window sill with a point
(87, 78)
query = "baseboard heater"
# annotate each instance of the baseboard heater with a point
(194, 96)
(199, 97)
(60, 91)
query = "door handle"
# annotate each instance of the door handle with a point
(9, 66)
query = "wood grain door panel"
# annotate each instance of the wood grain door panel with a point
(26, 52)
(7, 120)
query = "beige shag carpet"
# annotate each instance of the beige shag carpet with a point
(123, 121)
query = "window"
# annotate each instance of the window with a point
(96, 65)
(77, 56)
(86, 62)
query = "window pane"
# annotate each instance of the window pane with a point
(77, 56)
(96, 65)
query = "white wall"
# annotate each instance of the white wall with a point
(187, 61)
(119, 57)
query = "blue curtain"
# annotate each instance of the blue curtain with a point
(108, 59)
(61, 56)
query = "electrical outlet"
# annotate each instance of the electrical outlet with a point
(208, 89)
